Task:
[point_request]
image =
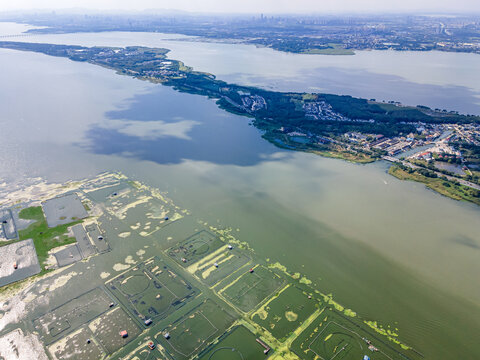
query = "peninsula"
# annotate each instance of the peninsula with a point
(344, 127)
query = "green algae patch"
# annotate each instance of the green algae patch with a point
(347, 312)
(226, 236)
(278, 266)
(262, 313)
(136, 184)
(305, 281)
(350, 312)
(329, 300)
(392, 336)
(291, 316)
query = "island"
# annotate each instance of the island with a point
(338, 126)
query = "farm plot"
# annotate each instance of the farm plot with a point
(189, 334)
(219, 265)
(78, 345)
(151, 290)
(248, 290)
(285, 312)
(143, 352)
(142, 209)
(194, 248)
(107, 329)
(71, 315)
(337, 341)
(333, 336)
(238, 344)
(63, 210)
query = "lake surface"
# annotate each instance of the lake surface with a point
(392, 251)
(10, 28)
(436, 79)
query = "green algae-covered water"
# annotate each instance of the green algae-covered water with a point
(392, 251)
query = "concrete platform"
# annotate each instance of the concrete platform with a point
(24, 254)
(63, 210)
(84, 244)
(94, 232)
(8, 231)
(68, 256)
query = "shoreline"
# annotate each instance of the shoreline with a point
(308, 122)
(443, 186)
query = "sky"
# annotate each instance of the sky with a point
(254, 6)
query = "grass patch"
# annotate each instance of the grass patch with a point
(16, 286)
(445, 187)
(8, 242)
(346, 155)
(43, 237)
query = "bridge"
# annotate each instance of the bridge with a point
(16, 36)
(391, 159)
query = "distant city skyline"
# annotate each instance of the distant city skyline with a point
(254, 6)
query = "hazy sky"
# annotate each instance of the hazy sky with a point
(254, 6)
